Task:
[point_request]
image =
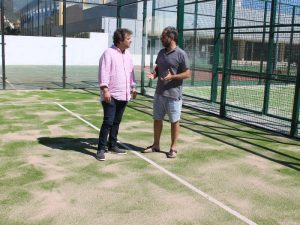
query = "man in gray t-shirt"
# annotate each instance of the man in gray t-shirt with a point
(172, 67)
(175, 61)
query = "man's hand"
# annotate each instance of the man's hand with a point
(169, 76)
(134, 93)
(106, 95)
(151, 75)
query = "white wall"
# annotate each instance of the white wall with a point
(32, 50)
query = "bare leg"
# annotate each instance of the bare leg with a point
(158, 125)
(174, 134)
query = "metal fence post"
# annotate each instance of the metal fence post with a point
(263, 44)
(263, 39)
(119, 21)
(216, 53)
(295, 116)
(38, 17)
(227, 56)
(144, 43)
(270, 62)
(194, 43)
(152, 39)
(64, 42)
(180, 21)
(232, 33)
(291, 41)
(3, 46)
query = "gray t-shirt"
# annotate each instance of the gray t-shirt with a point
(176, 61)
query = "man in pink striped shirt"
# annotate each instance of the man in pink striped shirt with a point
(117, 84)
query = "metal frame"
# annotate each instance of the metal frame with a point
(227, 57)
(3, 46)
(217, 47)
(266, 76)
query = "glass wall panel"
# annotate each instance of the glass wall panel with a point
(164, 14)
(135, 24)
(86, 40)
(160, 4)
(33, 44)
(262, 77)
(132, 19)
(165, 17)
(199, 26)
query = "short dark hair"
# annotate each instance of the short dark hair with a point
(119, 35)
(171, 32)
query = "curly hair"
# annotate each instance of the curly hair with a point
(171, 32)
(119, 35)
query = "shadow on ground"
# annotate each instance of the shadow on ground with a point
(86, 146)
(140, 149)
(253, 141)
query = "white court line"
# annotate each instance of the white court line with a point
(88, 123)
(174, 176)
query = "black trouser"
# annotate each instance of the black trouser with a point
(113, 113)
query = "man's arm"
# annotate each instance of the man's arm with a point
(104, 70)
(180, 76)
(106, 94)
(104, 76)
(153, 74)
(133, 85)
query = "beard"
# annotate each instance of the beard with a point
(166, 44)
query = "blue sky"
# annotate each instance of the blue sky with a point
(260, 5)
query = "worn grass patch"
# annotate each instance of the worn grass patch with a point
(49, 174)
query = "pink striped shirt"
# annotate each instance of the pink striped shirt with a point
(116, 72)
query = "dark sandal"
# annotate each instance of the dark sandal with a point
(150, 149)
(172, 154)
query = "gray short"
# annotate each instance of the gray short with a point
(163, 105)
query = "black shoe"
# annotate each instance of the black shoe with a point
(117, 150)
(100, 155)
